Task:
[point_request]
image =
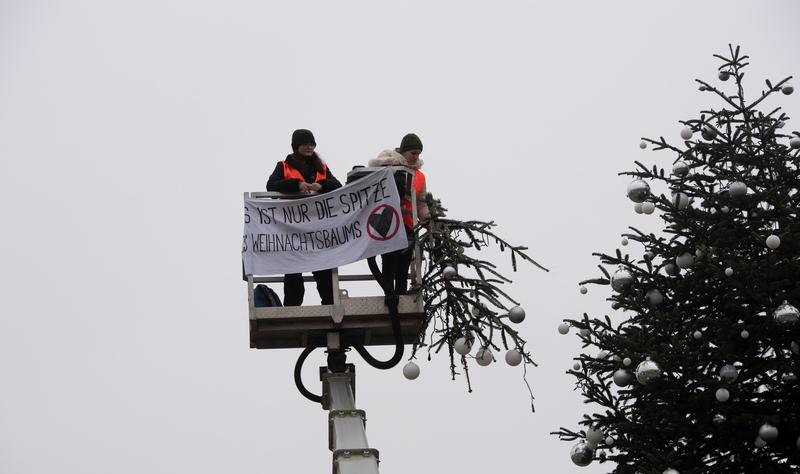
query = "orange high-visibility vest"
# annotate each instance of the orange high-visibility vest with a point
(417, 184)
(291, 173)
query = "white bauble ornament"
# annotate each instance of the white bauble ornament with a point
(729, 271)
(638, 190)
(449, 272)
(648, 207)
(411, 371)
(737, 189)
(684, 260)
(728, 373)
(680, 169)
(744, 334)
(697, 335)
(610, 441)
(786, 315)
(768, 433)
(654, 297)
(671, 269)
(647, 371)
(637, 208)
(563, 328)
(584, 290)
(724, 75)
(794, 142)
(723, 395)
(622, 377)
(576, 366)
(795, 348)
(484, 356)
(621, 279)
(642, 144)
(759, 443)
(686, 133)
(462, 346)
(513, 357)
(680, 200)
(624, 241)
(516, 315)
(581, 454)
(648, 256)
(773, 242)
(787, 89)
(584, 332)
(627, 361)
(594, 436)
(724, 209)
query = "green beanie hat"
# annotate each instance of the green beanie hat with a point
(410, 142)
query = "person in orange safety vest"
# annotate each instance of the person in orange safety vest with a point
(303, 171)
(395, 265)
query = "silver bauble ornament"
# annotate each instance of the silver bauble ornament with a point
(795, 348)
(737, 189)
(744, 334)
(654, 297)
(449, 272)
(638, 190)
(671, 471)
(513, 357)
(462, 346)
(637, 208)
(516, 315)
(680, 169)
(484, 356)
(686, 133)
(786, 315)
(773, 242)
(581, 454)
(671, 269)
(622, 377)
(603, 354)
(719, 419)
(724, 209)
(584, 332)
(697, 335)
(680, 200)
(729, 271)
(594, 437)
(768, 433)
(684, 260)
(476, 311)
(621, 279)
(728, 373)
(798, 442)
(610, 441)
(794, 142)
(724, 75)
(563, 328)
(648, 256)
(648, 207)
(411, 371)
(647, 371)
(576, 366)
(723, 395)
(759, 443)
(642, 144)
(624, 241)
(787, 89)
(627, 361)
(708, 132)
(584, 290)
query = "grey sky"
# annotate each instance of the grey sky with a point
(128, 131)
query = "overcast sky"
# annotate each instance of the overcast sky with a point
(129, 130)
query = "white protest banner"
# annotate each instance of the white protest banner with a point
(354, 222)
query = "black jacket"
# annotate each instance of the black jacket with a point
(308, 167)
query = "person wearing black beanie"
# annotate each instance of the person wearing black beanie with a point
(304, 172)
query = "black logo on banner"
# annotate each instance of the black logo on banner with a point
(383, 222)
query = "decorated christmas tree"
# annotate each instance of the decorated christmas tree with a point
(696, 372)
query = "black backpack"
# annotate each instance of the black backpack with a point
(264, 296)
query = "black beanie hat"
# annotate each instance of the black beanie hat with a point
(302, 137)
(410, 142)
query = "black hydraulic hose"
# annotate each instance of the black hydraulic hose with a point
(298, 366)
(392, 301)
